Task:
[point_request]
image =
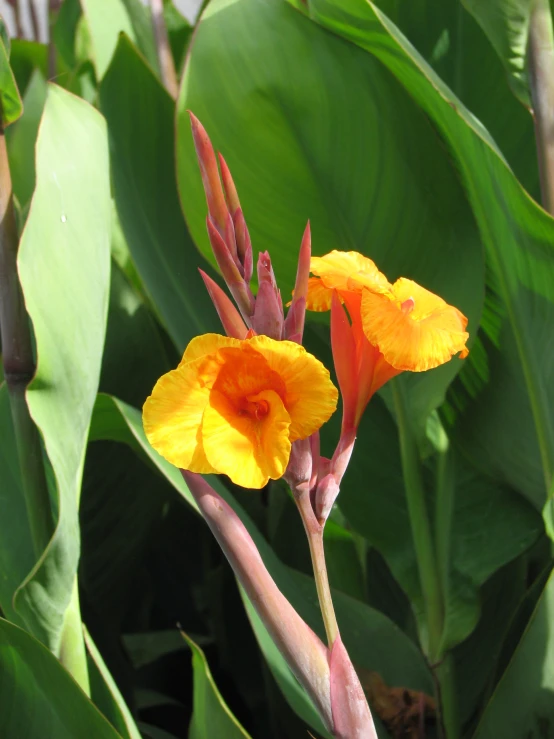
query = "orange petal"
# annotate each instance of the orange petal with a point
(207, 344)
(417, 340)
(311, 398)
(249, 451)
(349, 270)
(172, 415)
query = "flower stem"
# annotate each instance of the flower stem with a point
(314, 532)
(167, 66)
(429, 575)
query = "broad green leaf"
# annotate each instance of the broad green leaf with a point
(10, 101)
(149, 646)
(517, 233)
(108, 19)
(25, 57)
(359, 159)
(106, 695)
(506, 23)
(139, 109)
(64, 267)
(38, 698)
(210, 715)
(392, 654)
(22, 136)
(522, 702)
(179, 32)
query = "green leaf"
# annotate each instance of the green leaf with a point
(517, 233)
(522, 702)
(106, 695)
(38, 698)
(10, 101)
(21, 139)
(139, 109)
(391, 652)
(359, 159)
(211, 716)
(506, 23)
(25, 57)
(64, 267)
(108, 19)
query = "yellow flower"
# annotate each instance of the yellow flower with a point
(414, 329)
(235, 406)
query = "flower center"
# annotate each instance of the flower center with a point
(407, 306)
(256, 410)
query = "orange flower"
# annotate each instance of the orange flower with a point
(394, 327)
(235, 406)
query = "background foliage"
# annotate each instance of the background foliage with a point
(393, 126)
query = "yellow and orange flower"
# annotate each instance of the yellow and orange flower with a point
(235, 406)
(394, 327)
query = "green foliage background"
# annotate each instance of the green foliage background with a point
(393, 126)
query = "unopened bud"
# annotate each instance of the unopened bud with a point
(231, 320)
(268, 313)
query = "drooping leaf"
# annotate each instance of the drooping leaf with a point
(21, 139)
(211, 716)
(359, 159)
(38, 698)
(506, 23)
(139, 109)
(521, 704)
(64, 267)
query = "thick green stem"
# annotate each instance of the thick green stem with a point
(72, 653)
(421, 530)
(541, 77)
(446, 678)
(19, 366)
(314, 532)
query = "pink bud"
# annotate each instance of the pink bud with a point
(210, 174)
(231, 274)
(343, 345)
(299, 469)
(231, 195)
(244, 245)
(268, 311)
(294, 323)
(304, 652)
(326, 494)
(351, 715)
(231, 320)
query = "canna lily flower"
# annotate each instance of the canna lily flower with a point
(235, 407)
(393, 328)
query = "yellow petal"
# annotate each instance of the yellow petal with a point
(349, 270)
(172, 415)
(319, 297)
(249, 451)
(206, 344)
(418, 339)
(311, 398)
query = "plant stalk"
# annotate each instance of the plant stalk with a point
(541, 78)
(19, 366)
(429, 575)
(165, 58)
(314, 532)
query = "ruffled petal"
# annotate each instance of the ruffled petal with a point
(200, 346)
(172, 415)
(250, 451)
(417, 338)
(349, 270)
(311, 398)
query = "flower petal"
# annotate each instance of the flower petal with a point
(349, 270)
(419, 340)
(250, 451)
(319, 297)
(207, 344)
(172, 415)
(311, 398)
